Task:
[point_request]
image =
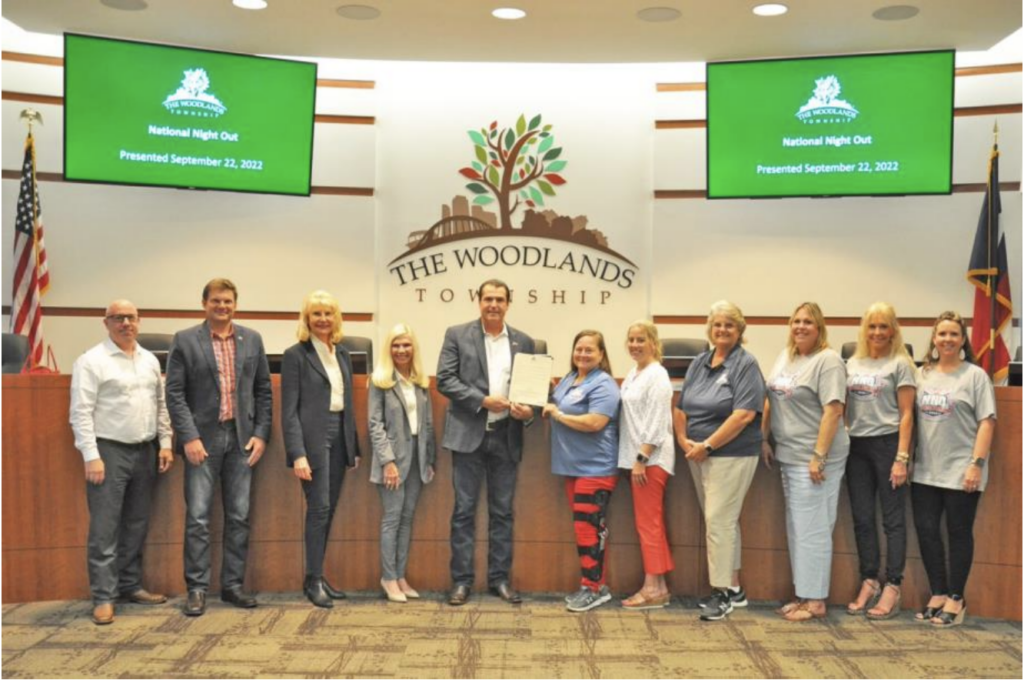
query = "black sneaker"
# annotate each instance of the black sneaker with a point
(738, 598)
(718, 608)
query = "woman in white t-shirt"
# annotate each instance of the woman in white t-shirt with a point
(804, 417)
(880, 387)
(956, 417)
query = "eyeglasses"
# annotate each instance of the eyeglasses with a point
(121, 318)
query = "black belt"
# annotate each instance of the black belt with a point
(497, 425)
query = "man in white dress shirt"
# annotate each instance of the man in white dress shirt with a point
(123, 431)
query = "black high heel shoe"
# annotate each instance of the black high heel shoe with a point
(946, 619)
(928, 613)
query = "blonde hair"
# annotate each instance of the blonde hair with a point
(384, 372)
(886, 313)
(651, 333)
(319, 298)
(818, 317)
(729, 311)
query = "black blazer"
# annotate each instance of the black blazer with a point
(306, 402)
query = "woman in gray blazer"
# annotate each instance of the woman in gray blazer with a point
(402, 434)
(319, 426)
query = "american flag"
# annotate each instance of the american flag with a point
(31, 275)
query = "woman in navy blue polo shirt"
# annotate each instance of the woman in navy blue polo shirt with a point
(585, 449)
(718, 427)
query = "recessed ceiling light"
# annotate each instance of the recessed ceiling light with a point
(358, 12)
(249, 4)
(127, 5)
(895, 12)
(510, 13)
(656, 14)
(771, 9)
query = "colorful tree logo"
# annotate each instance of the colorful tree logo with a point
(514, 166)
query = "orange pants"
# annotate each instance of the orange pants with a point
(649, 513)
(589, 498)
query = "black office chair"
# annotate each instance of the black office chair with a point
(540, 346)
(155, 342)
(849, 348)
(361, 350)
(15, 351)
(679, 353)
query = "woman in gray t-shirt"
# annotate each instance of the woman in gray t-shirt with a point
(804, 414)
(880, 417)
(956, 415)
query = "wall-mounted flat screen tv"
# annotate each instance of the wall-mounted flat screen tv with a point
(860, 125)
(146, 114)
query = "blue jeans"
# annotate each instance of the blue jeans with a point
(493, 463)
(227, 461)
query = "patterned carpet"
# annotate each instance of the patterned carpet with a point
(368, 638)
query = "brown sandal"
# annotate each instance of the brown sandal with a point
(789, 607)
(876, 613)
(803, 612)
(640, 601)
(875, 591)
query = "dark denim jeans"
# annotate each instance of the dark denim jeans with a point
(228, 463)
(867, 477)
(960, 507)
(119, 518)
(493, 463)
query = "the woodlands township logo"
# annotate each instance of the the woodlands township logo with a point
(192, 99)
(824, 106)
(515, 174)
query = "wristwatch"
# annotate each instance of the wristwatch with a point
(708, 447)
(641, 458)
(979, 462)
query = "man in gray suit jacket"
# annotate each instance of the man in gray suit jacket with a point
(219, 399)
(484, 432)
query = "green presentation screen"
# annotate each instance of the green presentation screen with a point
(878, 124)
(138, 113)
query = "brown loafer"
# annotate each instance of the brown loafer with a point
(102, 614)
(143, 596)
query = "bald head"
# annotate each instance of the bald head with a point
(122, 322)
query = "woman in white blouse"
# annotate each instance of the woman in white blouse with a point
(646, 448)
(402, 435)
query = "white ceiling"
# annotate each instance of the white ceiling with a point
(554, 31)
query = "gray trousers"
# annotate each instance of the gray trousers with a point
(491, 463)
(396, 524)
(119, 518)
(228, 464)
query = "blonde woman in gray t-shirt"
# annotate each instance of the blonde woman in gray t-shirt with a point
(880, 387)
(956, 415)
(804, 417)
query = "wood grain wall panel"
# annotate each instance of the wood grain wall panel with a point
(45, 520)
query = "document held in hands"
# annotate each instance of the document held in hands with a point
(531, 379)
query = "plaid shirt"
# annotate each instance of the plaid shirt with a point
(224, 350)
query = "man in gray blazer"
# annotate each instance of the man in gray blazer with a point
(219, 399)
(484, 432)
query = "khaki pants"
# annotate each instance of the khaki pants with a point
(722, 484)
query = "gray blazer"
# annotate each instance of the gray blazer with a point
(306, 405)
(391, 436)
(462, 377)
(193, 387)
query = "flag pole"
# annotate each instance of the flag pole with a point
(31, 116)
(993, 259)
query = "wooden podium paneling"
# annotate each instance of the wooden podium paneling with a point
(45, 520)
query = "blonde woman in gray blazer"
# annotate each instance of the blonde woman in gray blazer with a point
(402, 435)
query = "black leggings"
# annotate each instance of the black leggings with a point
(867, 477)
(960, 507)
